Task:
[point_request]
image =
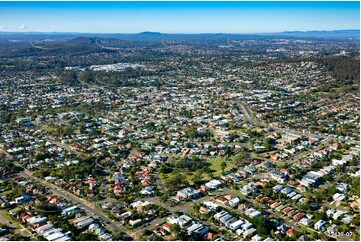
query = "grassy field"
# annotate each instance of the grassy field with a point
(52, 130)
(215, 165)
(6, 192)
(5, 214)
(47, 128)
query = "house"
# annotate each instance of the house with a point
(84, 222)
(290, 138)
(209, 236)
(234, 202)
(160, 232)
(249, 211)
(283, 227)
(275, 205)
(338, 214)
(291, 232)
(347, 218)
(167, 226)
(58, 236)
(219, 215)
(204, 211)
(40, 230)
(301, 188)
(197, 229)
(342, 187)
(227, 219)
(93, 226)
(214, 184)
(286, 190)
(22, 199)
(135, 223)
(147, 191)
(212, 206)
(305, 221)
(320, 225)
(68, 210)
(255, 214)
(250, 232)
(188, 192)
(286, 210)
(269, 239)
(249, 188)
(298, 216)
(221, 200)
(278, 177)
(236, 225)
(36, 220)
(256, 238)
(333, 228)
(338, 197)
(140, 205)
(187, 219)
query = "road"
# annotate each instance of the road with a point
(250, 117)
(247, 112)
(69, 149)
(12, 227)
(159, 182)
(88, 84)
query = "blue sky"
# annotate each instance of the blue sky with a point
(178, 17)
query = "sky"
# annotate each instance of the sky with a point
(178, 17)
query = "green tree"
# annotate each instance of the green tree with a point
(223, 166)
(175, 181)
(197, 176)
(178, 232)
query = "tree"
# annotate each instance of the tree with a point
(163, 169)
(197, 176)
(176, 180)
(313, 236)
(87, 237)
(2, 156)
(118, 236)
(17, 237)
(356, 236)
(147, 232)
(320, 216)
(262, 225)
(192, 132)
(355, 188)
(196, 207)
(268, 192)
(223, 166)
(178, 232)
(240, 157)
(4, 226)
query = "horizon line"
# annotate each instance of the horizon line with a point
(156, 32)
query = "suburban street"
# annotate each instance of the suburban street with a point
(89, 207)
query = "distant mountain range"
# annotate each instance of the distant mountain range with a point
(89, 38)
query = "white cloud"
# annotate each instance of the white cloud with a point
(22, 27)
(2, 27)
